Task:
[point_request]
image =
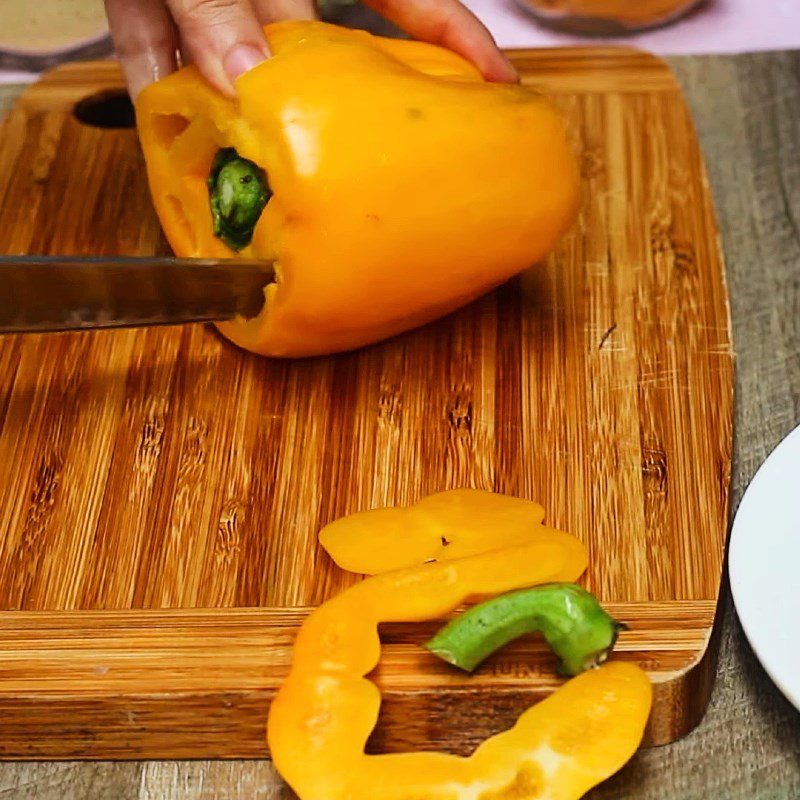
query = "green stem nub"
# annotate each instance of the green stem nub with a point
(571, 620)
(238, 191)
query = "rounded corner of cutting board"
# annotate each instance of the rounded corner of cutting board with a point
(67, 83)
(680, 700)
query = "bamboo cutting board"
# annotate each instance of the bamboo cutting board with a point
(161, 492)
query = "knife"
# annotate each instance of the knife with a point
(54, 293)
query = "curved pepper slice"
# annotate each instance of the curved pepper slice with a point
(443, 526)
(324, 712)
(402, 184)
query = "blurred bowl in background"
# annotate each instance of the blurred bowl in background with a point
(39, 34)
(607, 17)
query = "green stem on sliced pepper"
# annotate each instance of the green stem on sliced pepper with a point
(238, 191)
(571, 620)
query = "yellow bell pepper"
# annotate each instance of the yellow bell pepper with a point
(443, 526)
(388, 180)
(324, 712)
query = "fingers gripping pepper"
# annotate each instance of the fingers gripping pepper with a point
(324, 712)
(571, 620)
(403, 184)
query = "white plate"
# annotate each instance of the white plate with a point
(764, 565)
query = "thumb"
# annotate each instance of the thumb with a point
(222, 38)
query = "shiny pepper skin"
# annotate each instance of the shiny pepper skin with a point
(402, 184)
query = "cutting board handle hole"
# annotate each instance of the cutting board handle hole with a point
(107, 109)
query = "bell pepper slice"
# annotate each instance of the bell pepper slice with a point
(323, 714)
(572, 621)
(443, 526)
(402, 184)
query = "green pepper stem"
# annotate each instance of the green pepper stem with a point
(238, 192)
(572, 621)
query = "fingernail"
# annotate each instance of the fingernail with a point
(240, 59)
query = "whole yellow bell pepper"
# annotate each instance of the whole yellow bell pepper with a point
(387, 179)
(325, 711)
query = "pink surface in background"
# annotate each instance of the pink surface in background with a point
(718, 26)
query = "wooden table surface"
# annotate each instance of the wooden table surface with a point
(748, 745)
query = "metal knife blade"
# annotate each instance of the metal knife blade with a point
(64, 293)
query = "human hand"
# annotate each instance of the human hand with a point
(224, 37)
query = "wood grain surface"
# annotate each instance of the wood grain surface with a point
(748, 745)
(110, 664)
(161, 469)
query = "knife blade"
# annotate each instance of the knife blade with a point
(62, 293)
